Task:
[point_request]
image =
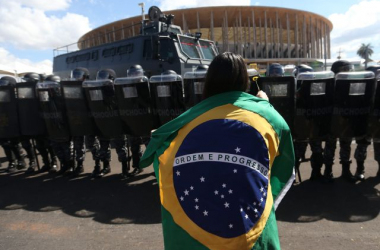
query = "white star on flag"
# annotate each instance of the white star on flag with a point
(224, 185)
(202, 179)
(196, 200)
(237, 150)
(182, 198)
(196, 207)
(222, 196)
(186, 192)
(246, 216)
(230, 191)
(178, 173)
(226, 204)
(216, 192)
(205, 213)
(235, 171)
(231, 226)
(191, 188)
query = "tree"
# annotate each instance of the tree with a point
(365, 51)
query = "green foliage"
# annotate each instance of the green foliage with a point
(365, 51)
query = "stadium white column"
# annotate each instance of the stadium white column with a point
(254, 35)
(288, 31)
(266, 34)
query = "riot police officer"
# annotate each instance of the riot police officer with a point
(120, 141)
(53, 111)
(276, 70)
(316, 159)
(9, 127)
(345, 143)
(81, 74)
(301, 69)
(136, 141)
(37, 130)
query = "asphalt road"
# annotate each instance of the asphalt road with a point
(44, 211)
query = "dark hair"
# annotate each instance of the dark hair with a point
(227, 72)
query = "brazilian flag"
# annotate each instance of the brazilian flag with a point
(223, 166)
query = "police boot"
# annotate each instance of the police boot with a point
(359, 175)
(346, 173)
(96, 172)
(21, 163)
(64, 167)
(328, 175)
(136, 171)
(316, 165)
(53, 165)
(106, 169)
(315, 174)
(11, 167)
(70, 169)
(135, 166)
(46, 162)
(79, 169)
(32, 167)
(125, 170)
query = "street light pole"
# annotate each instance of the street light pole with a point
(142, 5)
(143, 17)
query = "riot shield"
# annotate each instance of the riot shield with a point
(133, 100)
(31, 121)
(9, 123)
(53, 110)
(253, 75)
(352, 103)
(314, 105)
(101, 100)
(374, 119)
(78, 114)
(281, 93)
(193, 83)
(167, 98)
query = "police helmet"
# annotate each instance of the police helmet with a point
(169, 72)
(341, 66)
(53, 78)
(375, 69)
(135, 70)
(31, 77)
(106, 74)
(80, 74)
(302, 68)
(276, 69)
(6, 80)
(42, 77)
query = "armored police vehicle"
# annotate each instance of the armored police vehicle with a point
(160, 46)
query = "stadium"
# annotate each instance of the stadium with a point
(260, 34)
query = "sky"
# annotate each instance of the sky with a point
(31, 29)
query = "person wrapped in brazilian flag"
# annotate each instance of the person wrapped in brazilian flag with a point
(223, 166)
